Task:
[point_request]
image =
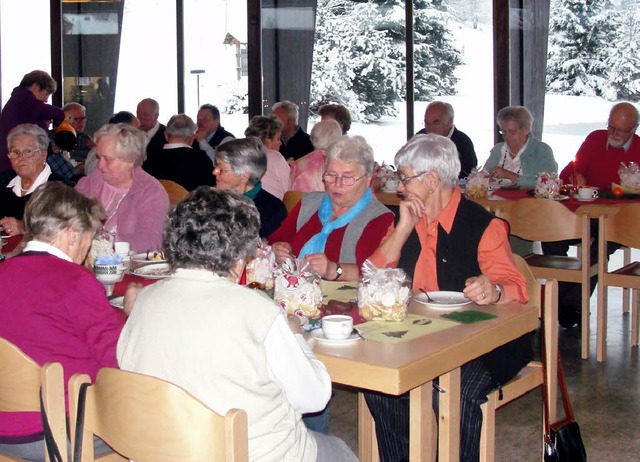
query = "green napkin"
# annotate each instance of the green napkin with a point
(469, 316)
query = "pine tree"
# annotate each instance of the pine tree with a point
(624, 63)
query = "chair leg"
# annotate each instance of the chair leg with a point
(488, 432)
(601, 332)
(586, 307)
(625, 291)
(634, 317)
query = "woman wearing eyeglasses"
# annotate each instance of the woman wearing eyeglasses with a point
(27, 152)
(521, 156)
(337, 230)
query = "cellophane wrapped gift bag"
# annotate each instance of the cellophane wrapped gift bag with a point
(383, 294)
(297, 289)
(260, 270)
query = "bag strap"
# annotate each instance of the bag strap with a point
(50, 443)
(82, 397)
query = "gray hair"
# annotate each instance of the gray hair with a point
(447, 109)
(263, 127)
(37, 133)
(291, 108)
(431, 153)
(130, 142)
(73, 105)
(154, 104)
(54, 207)
(211, 229)
(520, 114)
(325, 132)
(244, 155)
(181, 126)
(351, 149)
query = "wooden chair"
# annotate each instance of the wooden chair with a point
(21, 380)
(291, 198)
(147, 419)
(546, 298)
(175, 192)
(621, 227)
(544, 220)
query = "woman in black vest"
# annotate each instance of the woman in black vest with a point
(466, 249)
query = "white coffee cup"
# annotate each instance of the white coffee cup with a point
(587, 193)
(122, 248)
(337, 326)
(391, 185)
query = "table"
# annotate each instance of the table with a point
(411, 366)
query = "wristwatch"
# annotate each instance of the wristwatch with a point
(499, 290)
(338, 272)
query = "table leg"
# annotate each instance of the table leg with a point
(367, 442)
(449, 419)
(422, 425)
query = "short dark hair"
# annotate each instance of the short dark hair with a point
(338, 112)
(212, 229)
(264, 127)
(122, 117)
(215, 112)
(42, 79)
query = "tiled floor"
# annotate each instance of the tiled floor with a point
(605, 398)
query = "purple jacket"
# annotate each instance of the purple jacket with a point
(141, 214)
(24, 108)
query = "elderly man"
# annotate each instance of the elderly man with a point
(295, 141)
(465, 249)
(76, 115)
(177, 160)
(438, 119)
(210, 133)
(148, 111)
(599, 157)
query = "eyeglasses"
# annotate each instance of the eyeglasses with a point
(28, 153)
(222, 170)
(615, 130)
(332, 178)
(78, 118)
(509, 132)
(406, 179)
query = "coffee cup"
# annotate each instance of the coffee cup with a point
(391, 185)
(584, 192)
(122, 248)
(337, 326)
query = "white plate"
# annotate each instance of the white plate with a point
(117, 302)
(501, 183)
(142, 258)
(584, 199)
(443, 299)
(154, 271)
(319, 336)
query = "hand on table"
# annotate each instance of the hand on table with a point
(12, 226)
(479, 290)
(130, 296)
(282, 250)
(500, 172)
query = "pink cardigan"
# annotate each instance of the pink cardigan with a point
(141, 214)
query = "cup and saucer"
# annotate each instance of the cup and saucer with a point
(586, 194)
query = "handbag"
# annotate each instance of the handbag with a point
(562, 439)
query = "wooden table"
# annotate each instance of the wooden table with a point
(411, 366)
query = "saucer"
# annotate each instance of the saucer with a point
(584, 199)
(319, 336)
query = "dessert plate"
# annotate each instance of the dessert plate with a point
(443, 299)
(154, 271)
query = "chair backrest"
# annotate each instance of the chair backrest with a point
(175, 192)
(147, 419)
(291, 198)
(21, 379)
(544, 220)
(545, 296)
(622, 227)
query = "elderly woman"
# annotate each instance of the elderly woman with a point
(337, 112)
(28, 155)
(337, 230)
(240, 165)
(519, 159)
(465, 249)
(306, 172)
(224, 343)
(269, 129)
(136, 204)
(52, 307)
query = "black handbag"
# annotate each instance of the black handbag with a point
(562, 439)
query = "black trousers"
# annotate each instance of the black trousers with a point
(391, 415)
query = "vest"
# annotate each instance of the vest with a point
(218, 136)
(310, 205)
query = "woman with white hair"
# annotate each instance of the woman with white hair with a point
(136, 204)
(465, 249)
(306, 172)
(521, 156)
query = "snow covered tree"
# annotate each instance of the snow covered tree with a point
(623, 64)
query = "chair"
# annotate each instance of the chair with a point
(147, 419)
(21, 380)
(549, 221)
(291, 198)
(175, 192)
(531, 377)
(622, 228)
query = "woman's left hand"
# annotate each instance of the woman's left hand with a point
(12, 226)
(500, 172)
(320, 264)
(479, 289)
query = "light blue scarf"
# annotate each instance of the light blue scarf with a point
(316, 243)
